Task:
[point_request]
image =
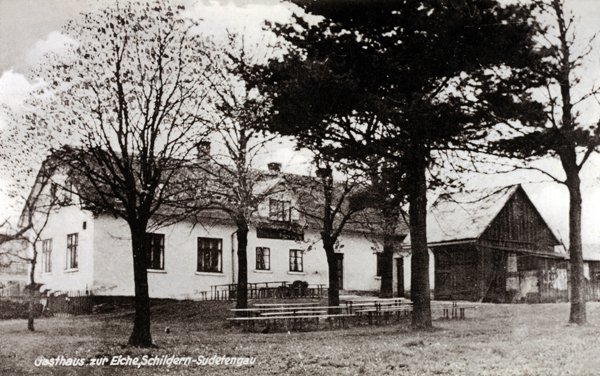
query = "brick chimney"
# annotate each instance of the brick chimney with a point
(203, 149)
(274, 167)
(324, 172)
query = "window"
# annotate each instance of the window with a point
(210, 255)
(380, 262)
(263, 258)
(279, 233)
(47, 255)
(156, 251)
(279, 210)
(296, 264)
(72, 241)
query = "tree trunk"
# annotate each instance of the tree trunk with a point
(568, 156)
(140, 336)
(578, 309)
(419, 287)
(387, 268)
(333, 292)
(33, 292)
(31, 313)
(242, 253)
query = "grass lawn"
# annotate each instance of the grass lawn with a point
(493, 340)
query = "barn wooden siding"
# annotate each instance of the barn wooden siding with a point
(456, 272)
(519, 227)
(512, 261)
(592, 284)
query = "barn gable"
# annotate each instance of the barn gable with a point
(520, 227)
(505, 216)
(494, 245)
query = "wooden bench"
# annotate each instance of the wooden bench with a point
(338, 319)
(280, 305)
(352, 305)
(452, 310)
(379, 312)
(315, 312)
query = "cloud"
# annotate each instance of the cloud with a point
(14, 89)
(218, 18)
(55, 42)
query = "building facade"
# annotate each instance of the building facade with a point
(86, 252)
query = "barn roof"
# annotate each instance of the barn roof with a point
(466, 215)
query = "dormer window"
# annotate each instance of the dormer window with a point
(279, 210)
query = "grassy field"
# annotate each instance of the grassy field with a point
(493, 340)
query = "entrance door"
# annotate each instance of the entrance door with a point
(400, 275)
(339, 260)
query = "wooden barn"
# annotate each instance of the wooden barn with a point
(591, 271)
(493, 245)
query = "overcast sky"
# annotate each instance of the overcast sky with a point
(28, 28)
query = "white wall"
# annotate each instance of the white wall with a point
(114, 263)
(360, 263)
(106, 261)
(178, 280)
(314, 261)
(407, 270)
(68, 220)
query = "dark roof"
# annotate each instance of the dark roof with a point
(367, 222)
(308, 192)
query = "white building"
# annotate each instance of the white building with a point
(81, 251)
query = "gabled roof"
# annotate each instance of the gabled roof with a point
(368, 222)
(465, 215)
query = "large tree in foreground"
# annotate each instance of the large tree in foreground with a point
(404, 81)
(565, 134)
(131, 91)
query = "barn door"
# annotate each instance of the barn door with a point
(443, 284)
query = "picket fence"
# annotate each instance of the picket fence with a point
(69, 303)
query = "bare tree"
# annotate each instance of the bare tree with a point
(43, 201)
(131, 91)
(563, 134)
(26, 141)
(328, 205)
(238, 187)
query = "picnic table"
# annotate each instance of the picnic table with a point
(255, 290)
(454, 310)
